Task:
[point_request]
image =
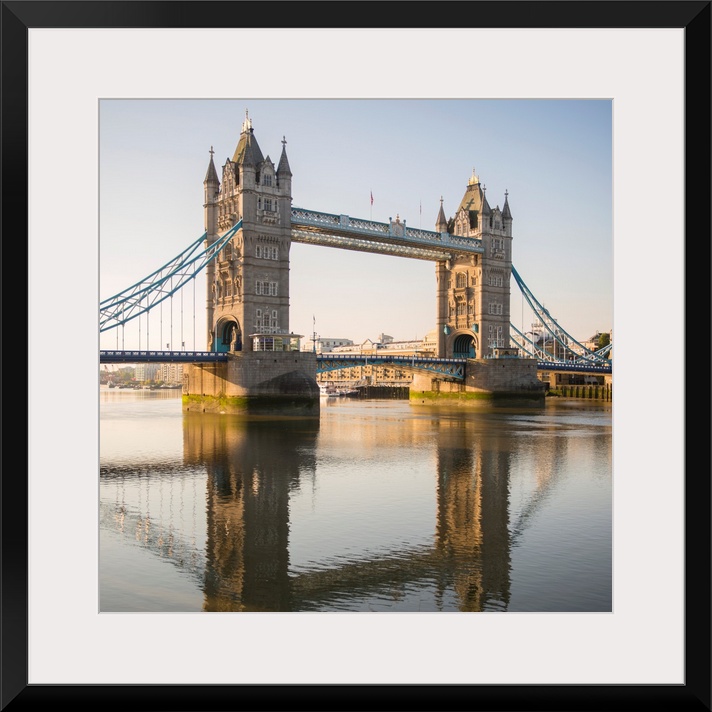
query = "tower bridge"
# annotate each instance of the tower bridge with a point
(251, 355)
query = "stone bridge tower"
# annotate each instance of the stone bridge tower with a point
(248, 292)
(473, 312)
(248, 284)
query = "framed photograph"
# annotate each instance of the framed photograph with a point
(98, 100)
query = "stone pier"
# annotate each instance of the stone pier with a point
(486, 379)
(254, 382)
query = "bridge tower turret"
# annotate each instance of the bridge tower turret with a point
(474, 290)
(250, 281)
(211, 188)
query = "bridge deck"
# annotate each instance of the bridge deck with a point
(447, 367)
(161, 357)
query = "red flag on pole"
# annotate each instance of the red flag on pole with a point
(371, 197)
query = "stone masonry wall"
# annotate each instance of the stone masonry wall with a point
(255, 373)
(505, 375)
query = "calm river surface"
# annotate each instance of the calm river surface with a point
(376, 506)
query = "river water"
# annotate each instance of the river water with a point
(377, 505)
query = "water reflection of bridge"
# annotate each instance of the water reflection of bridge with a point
(244, 560)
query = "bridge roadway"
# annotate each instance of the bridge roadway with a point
(445, 367)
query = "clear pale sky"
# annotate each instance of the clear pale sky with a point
(554, 157)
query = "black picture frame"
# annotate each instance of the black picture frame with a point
(694, 17)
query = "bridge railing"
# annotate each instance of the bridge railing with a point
(137, 356)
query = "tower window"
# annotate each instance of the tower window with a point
(267, 180)
(266, 321)
(266, 252)
(461, 279)
(263, 287)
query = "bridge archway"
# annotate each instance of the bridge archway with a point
(464, 345)
(228, 335)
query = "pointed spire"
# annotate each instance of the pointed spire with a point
(248, 151)
(247, 123)
(486, 210)
(506, 213)
(212, 175)
(283, 168)
(441, 222)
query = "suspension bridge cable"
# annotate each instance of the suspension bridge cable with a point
(128, 304)
(544, 316)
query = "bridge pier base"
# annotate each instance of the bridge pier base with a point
(254, 382)
(485, 379)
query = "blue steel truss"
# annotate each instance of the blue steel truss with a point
(448, 367)
(573, 350)
(141, 297)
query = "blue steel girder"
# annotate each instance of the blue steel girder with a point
(581, 353)
(575, 367)
(531, 348)
(394, 238)
(158, 286)
(449, 368)
(547, 361)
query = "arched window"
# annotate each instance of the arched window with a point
(461, 280)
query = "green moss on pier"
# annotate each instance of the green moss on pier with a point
(250, 404)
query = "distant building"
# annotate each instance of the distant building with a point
(379, 374)
(325, 345)
(148, 371)
(171, 373)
